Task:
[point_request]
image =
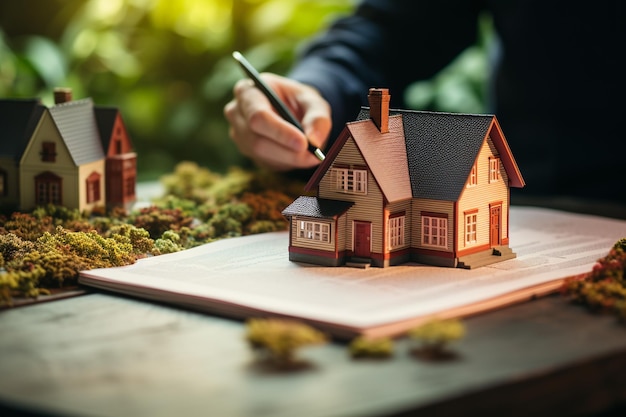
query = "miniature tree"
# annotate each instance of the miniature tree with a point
(278, 339)
(363, 347)
(435, 335)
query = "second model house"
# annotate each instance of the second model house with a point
(400, 186)
(72, 154)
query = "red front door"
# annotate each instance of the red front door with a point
(362, 239)
(494, 225)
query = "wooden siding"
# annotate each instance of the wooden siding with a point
(432, 206)
(479, 197)
(368, 207)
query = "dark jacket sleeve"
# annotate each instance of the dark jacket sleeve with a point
(387, 44)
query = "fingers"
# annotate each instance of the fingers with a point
(261, 134)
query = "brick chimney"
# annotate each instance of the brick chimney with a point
(379, 108)
(62, 95)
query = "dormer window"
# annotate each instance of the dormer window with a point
(348, 180)
(48, 152)
(494, 169)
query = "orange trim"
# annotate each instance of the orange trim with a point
(473, 249)
(471, 211)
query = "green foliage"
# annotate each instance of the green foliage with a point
(603, 289)
(279, 339)
(436, 334)
(48, 247)
(620, 245)
(363, 347)
(165, 64)
(158, 220)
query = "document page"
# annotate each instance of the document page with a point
(250, 276)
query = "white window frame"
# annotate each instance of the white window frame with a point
(494, 169)
(435, 231)
(350, 181)
(314, 231)
(395, 232)
(472, 181)
(470, 228)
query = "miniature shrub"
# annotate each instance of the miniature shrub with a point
(279, 339)
(603, 289)
(436, 334)
(362, 347)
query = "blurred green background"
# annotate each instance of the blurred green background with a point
(167, 64)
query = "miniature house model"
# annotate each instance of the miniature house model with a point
(400, 186)
(72, 154)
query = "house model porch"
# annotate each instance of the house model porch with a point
(403, 186)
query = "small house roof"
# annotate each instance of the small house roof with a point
(315, 207)
(105, 119)
(77, 125)
(18, 118)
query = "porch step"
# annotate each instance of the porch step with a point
(362, 263)
(496, 254)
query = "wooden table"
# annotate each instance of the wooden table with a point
(106, 355)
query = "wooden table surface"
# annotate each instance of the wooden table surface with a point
(105, 355)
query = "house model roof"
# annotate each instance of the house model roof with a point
(105, 117)
(18, 119)
(77, 125)
(423, 154)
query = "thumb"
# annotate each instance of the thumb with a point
(317, 124)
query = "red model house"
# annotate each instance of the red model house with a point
(402, 185)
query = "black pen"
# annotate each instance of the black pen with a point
(279, 106)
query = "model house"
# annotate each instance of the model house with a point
(400, 186)
(71, 154)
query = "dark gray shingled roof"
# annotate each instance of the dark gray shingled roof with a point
(441, 149)
(317, 207)
(105, 118)
(18, 119)
(77, 124)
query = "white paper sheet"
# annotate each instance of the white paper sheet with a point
(252, 275)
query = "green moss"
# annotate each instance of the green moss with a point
(47, 247)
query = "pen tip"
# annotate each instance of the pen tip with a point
(236, 55)
(320, 155)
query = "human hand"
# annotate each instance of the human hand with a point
(265, 137)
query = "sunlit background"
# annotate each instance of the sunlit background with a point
(167, 64)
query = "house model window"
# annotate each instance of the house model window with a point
(494, 169)
(353, 181)
(396, 231)
(434, 231)
(472, 180)
(48, 152)
(470, 227)
(314, 231)
(48, 188)
(93, 187)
